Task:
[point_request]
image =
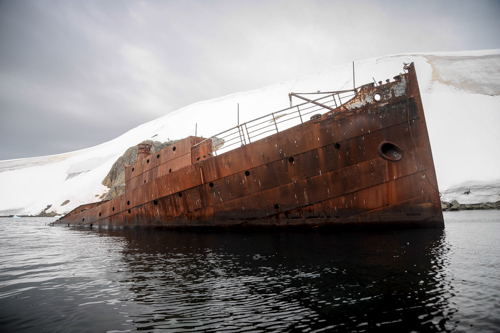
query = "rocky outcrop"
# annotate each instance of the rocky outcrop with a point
(115, 179)
(44, 213)
(454, 206)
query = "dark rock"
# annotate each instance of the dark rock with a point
(454, 206)
(44, 213)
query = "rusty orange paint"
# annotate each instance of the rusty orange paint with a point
(365, 163)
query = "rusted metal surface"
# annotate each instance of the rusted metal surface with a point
(365, 162)
(143, 150)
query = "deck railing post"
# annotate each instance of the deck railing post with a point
(248, 134)
(298, 110)
(242, 134)
(242, 141)
(275, 125)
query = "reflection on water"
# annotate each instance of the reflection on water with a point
(286, 281)
(59, 279)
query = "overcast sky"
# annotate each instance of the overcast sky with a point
(74, 74)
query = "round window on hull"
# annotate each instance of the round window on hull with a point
(390, 151)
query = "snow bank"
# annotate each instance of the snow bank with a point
(460, 93)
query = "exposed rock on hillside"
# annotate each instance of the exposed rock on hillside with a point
(44, 213)
(115, 179)
(455, 206)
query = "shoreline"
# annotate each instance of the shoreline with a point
(445, 206)
(456, 206)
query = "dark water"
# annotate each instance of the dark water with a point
(56, 279)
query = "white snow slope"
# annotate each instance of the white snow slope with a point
(460, 93)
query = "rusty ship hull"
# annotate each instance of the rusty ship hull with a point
(363, 163)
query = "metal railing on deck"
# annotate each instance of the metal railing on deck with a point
(277, 121)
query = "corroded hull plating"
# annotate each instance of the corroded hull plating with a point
(366, 163)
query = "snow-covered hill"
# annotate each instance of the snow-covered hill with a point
(460, 93)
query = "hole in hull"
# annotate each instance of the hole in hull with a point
(390, 151)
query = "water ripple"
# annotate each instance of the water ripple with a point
(60, 280)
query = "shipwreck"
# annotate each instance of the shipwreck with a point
(356, 158)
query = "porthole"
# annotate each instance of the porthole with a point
(158, 156)
(247, 173)
(83, 219)
(377, 97)
(291, 160)
(180, 195)
(113, 209)
(155, 202)
(337, 145)
(144, 180)
(133, 169)
(129, 211)
(147, 161)
(99, 214)
(390, 151)
(174, 149)
(276, 206)
(211, 184)
(169, 170)
(128, 202)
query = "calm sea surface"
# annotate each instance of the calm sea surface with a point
(57, 279)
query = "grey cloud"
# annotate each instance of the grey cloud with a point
(107, 67)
